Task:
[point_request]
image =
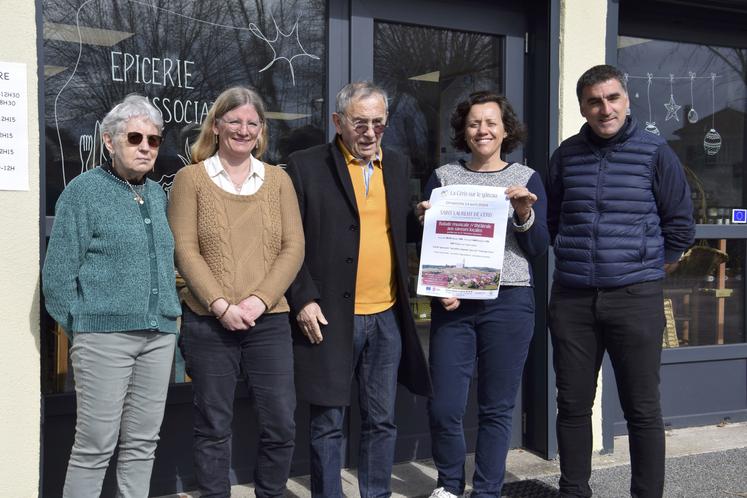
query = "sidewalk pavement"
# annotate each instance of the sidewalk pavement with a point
(702, 462)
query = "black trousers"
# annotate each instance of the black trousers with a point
(215, 358)
(628, 323)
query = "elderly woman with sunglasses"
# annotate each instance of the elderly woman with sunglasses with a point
(239, 245)
(108, 280)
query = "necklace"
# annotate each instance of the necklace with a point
(237, 186)
(139, 198)
(139, 192)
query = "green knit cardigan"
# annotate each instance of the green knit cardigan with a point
(110, 261)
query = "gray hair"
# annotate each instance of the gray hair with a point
(133, 105)
(600, 74)
(358, 90)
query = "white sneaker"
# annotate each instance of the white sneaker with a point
(442, 493)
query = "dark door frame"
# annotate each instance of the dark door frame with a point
(529, 30)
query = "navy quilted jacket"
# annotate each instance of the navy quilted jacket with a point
(616, 215)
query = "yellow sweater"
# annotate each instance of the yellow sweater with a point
(375, 285)
(233, 246)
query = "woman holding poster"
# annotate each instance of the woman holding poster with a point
(494, 333)
(239, 245)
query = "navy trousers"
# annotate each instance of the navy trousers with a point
(495, 335)
(377, 348)
(215, 358)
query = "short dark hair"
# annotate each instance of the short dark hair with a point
(515, 130)
(599, 74)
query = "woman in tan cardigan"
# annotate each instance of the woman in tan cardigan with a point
(239, 244)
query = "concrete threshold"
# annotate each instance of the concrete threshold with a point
(417, 479)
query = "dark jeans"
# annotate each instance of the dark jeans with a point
(215, 358)
(495, 334)
(628, 323)
(377, 347)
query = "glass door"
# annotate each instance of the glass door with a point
(429, 56)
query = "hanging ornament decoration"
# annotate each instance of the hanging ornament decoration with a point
(650, 124)
(692, 114)
(712, 140)
(672, 107)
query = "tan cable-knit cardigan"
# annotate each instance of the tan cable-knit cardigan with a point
(234, 246)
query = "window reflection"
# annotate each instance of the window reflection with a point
(706, 295)
(180, 55)
(426, 72)
(694, 95)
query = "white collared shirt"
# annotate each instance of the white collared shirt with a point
(220, 177)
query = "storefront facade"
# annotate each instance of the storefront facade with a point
(686, 79)
(83, 58)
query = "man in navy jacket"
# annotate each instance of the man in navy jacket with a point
(620, 216)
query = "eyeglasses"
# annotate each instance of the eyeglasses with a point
(361, 126)
(236, 125)
(135, 137)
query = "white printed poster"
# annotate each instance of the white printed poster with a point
(464, 235)
(14, 140)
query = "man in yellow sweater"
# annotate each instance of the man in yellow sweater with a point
(350, 299)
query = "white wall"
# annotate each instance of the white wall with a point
(19, 283)
(583, 29)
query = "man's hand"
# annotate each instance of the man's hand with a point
(420, 210)
(252, 308)
(670, 267)
(309, 319)
(449, 303)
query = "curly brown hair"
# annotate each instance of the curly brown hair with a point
(515, 130)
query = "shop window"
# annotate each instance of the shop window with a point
(695, 97)
(180, 55)
(704, 296)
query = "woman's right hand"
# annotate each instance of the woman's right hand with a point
(230, 316)
(233, 320)
(449, 303)
(420, 210)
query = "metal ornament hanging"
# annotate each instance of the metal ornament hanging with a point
(712, 141)
(650, 124)
(692, 114)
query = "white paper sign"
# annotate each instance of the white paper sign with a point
(14, 140)
(464, 236)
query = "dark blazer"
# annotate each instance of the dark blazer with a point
(324, 372)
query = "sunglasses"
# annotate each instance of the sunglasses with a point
(135, 137)
(361, 126)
